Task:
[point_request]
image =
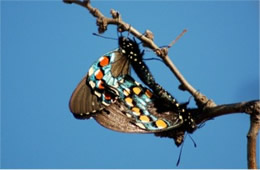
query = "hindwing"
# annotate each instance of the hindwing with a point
(83, 102)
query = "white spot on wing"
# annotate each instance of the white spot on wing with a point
(100, 59)
(140, 125)
(122, 81)
(106, 104)
(116, 85)
(137, 83)
(97, 94)
(90, 71)
(126, 92)
(92, 84)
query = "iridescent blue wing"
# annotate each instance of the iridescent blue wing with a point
(140, 104)
(84, 101)
(114, 117)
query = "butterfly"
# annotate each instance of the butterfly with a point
(132, 53)
(111, 96)
(101, 88)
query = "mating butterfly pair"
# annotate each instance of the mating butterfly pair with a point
(110, 95)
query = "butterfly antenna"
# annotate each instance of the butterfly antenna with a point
(129, 30)
(201, 125)
(158, 59)
(179, 158)
(104, 36)
(179, 36)
(190, 99)
(194, 143)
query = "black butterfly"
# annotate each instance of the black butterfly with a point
(101, 89)
(130, 49)
(89, 98)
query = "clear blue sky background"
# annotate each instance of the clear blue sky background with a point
(47, 47)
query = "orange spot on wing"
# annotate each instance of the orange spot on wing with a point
(104, 61)
(148, 93)
(129, 101)
(99, 75)
(101, 85)
(161, 124)
(137, 90)
(107, 96)
(136, 111)
(144, 118)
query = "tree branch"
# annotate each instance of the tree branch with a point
(207, 109)
(103, 22)
(251, 108)
(252, 136)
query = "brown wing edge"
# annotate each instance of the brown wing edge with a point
(83, 104)
(113, 117)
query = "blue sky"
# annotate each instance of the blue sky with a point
(47, 47)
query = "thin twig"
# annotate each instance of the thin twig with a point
(174, 41)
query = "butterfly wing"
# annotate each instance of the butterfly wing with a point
(120, 66)
(135, 110)
(83, 102)
(113, 117)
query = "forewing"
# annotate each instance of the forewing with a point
(121, 65)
